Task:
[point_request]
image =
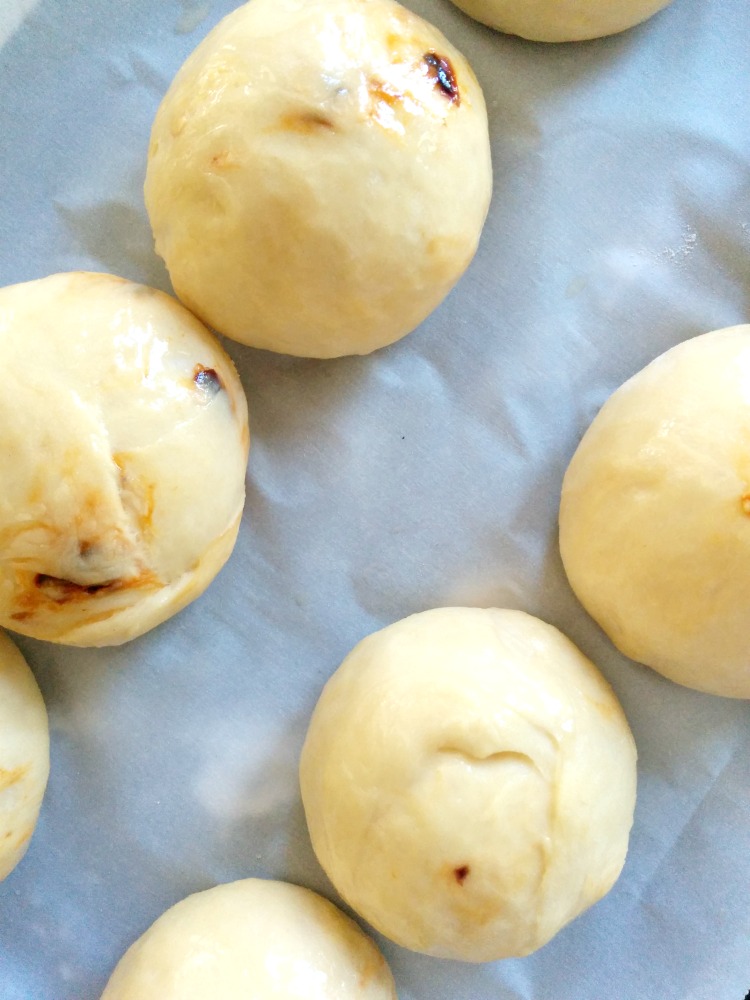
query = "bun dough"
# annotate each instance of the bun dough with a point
(561, 20)
(469, 782)
(319, 174)
(655, 515)
(122, 458)
(24, 755)
(252, 939)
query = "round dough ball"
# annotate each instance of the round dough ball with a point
(561, 20)
(655, 515)
(122, 458)
(252, 939)
(319, 174)
(24, 755)
(469, 782)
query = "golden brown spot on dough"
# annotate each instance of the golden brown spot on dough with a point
(745, 502)
(461, 873)
(605, 708)
(401, 44)
(223, 161)
(306, 123)
(137, 496)
(146, 513)
(87, 517)
(441, 72)
(373, 968)
(24, 837)
(245, 437)
(382, 93)
(12, 776)
(41, 594)
(37, 489)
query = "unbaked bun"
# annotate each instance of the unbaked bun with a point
(561, 20)
(655, 515)
(122, 458)
(469, 779)
(252, 940)
(24, 755)
(319, 174)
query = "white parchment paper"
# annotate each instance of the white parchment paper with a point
(425, 475)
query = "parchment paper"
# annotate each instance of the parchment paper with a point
(425, 475)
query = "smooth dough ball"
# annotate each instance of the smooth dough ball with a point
(122, 458)
(252, 940)
(655, 515)
(24, 755)
(561, 20)
(319, 174)
(469, 782)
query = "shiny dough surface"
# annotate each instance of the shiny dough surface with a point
(561, 20)
(122, 458)
(254, 939)
(319, 174)
(655, 515)
(469, 781)
(24, 755)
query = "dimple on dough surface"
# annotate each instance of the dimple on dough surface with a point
(561, 20)
(468, 779)
(122, 458)
(252, 939)
(24, 755)
(655, 515)
(319, 174)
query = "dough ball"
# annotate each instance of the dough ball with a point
(122, 458)
(252, 940)
(655, 515)
(319, 174)
(24, 755)
(561, 20)
(469, 782)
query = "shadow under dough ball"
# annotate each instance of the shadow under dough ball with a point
(655, 515)
(469, 779)
(319, 174)
(561, 20)
(122, 457)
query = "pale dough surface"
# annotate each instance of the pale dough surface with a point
(561, 20)
(655, 515)
(252, 940)
(24, 755)
(122, 458)
(469, 782)
(319, 174)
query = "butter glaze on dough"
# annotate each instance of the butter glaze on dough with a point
(561, 20)
(655, 515)
(252, 939)
(319, 174)
(24, 755)
(468, 779)
(122, 458)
